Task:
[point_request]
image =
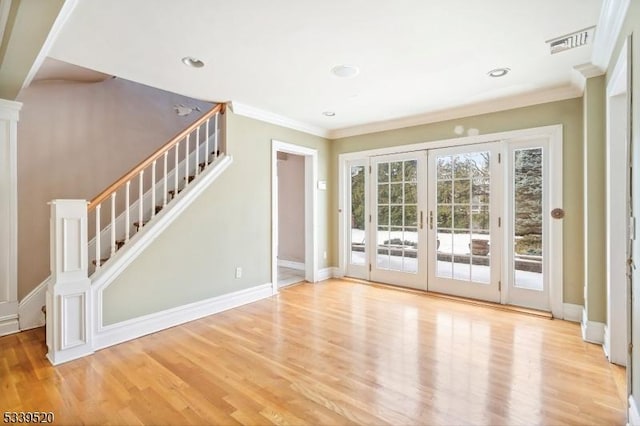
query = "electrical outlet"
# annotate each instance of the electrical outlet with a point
(238, 272)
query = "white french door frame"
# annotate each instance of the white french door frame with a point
(310, 209)
(552, 133)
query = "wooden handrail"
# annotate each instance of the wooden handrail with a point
(157, 154)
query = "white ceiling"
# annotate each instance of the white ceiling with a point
(415, 57)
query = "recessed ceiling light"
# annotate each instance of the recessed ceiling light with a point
(192, 62)
(329, 113)
(498, 72)
(345, 71)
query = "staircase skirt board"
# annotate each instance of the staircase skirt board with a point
(30, 307)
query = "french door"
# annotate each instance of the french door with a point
(464, 221)
(397, 220)
(471, 221)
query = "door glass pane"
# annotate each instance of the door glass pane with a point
(397, 216)
(462, 208)
(528, 256)
(357, 215)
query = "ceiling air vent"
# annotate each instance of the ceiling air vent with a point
(570, 41)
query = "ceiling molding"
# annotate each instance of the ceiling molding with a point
(486, 107)
(279, 120)
(608, 29)
(9, 110)
(61, 19)
(583, 72)
(589, 70)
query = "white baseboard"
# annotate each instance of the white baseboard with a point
(606, 342)
(338, 273)
(326, 273)
(30, 313)
(137, 327)
(9, 325)
(291, 264)
(634, 414)
(572, 312)
(592, 331)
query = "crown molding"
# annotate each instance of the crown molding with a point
(609, 26)
(583, 72)
(494, 105)
(279, 120)
(589, 70)
(10, 110)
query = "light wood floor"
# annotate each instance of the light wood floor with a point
(338, 352)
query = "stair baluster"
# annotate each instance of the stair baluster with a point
(206, 143)
(98, 228)
(153, 189)
(127, 212)
(141, 200)
(113, 223)
(164, 181)
(197, 149)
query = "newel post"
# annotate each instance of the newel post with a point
(69, 290)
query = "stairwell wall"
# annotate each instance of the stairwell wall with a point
(75, 139)
(229, 226)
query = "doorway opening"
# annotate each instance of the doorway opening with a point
(293, 219)
(291, 238)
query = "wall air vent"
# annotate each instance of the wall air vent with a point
(571, 41)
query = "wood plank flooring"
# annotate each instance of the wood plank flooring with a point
(333, 353)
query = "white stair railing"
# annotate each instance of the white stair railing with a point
(149, 180)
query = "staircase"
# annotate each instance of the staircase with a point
(92, 243)
(134, 200)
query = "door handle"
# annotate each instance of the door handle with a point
(431, 219)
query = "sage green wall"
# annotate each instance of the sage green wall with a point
(632, 27)
(568, 113)
(594, 155)
(228, 226)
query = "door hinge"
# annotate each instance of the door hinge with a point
(499, 222)
(630, 348)
(369, 218)
(369, 267)
(369, 169)
(499, 285)
(499, 158)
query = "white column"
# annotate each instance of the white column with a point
(9, 216)
(69, 290)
